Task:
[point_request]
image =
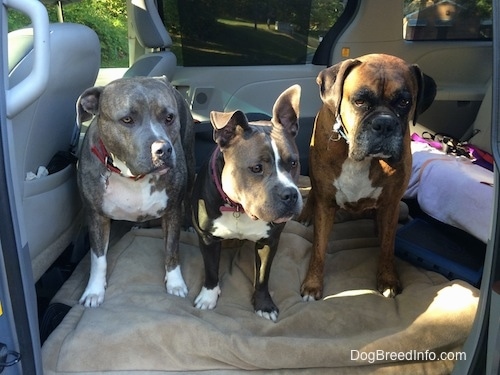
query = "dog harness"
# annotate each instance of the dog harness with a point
(230, 205)
(102, 154)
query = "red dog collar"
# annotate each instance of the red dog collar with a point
(230, 205)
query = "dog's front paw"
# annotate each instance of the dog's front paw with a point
(388, 284)
(207, 299)
(92, 297)
(175, 283)
(265, 307)
(311, 290)
(270, 315)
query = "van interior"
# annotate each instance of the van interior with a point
(444, 244)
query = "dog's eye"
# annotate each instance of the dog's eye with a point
(294, 164)
(403, 103)
(359, 102)
(127, 120)
(169, 118)
(257, 168)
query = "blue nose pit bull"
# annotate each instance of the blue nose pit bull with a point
(247, 190)
(136, 164)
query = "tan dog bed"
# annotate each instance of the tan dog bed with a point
(140, 329)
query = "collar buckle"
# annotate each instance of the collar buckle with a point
(338, 131)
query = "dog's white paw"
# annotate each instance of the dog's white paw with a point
(175, 283)
(308, 298)
(92, 299)
(93, 295)
(390, 293)
(207, 299)
(273, 315)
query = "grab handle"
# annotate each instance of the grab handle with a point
(29, 89)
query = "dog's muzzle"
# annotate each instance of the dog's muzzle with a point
(384, 126)
(161, 152)
(381, 136)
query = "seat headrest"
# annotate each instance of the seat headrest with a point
(149, 28)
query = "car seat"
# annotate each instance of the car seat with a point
(450, 188)
(151, 34)
(43, 133)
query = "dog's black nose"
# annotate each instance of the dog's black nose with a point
(289, 195)
(384, 125)
(161, 149)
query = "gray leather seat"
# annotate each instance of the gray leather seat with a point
(153, 37)
(51, 204)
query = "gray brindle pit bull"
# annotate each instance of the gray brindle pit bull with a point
(247, 190)
(360, 157)
(136, 164)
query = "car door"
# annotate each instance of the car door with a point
(19, 332)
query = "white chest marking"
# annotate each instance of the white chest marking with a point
(127, 199)
(244, 228)
(354, 182)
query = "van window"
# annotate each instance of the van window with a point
(108, 18)
(447, 20)
(248, 32)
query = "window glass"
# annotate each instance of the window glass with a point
(16, 20)
(248, 32)
(108, 18)
(447, 20)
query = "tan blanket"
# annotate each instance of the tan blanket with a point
(353, 330)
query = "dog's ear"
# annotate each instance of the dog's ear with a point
(227, 125)
(426, 91)
(331, 82)
(286, 110)
(87, 104)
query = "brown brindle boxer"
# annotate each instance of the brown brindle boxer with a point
(360, 156)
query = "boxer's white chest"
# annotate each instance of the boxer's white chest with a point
(354, 182)
(127, 199)
(229, 226)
